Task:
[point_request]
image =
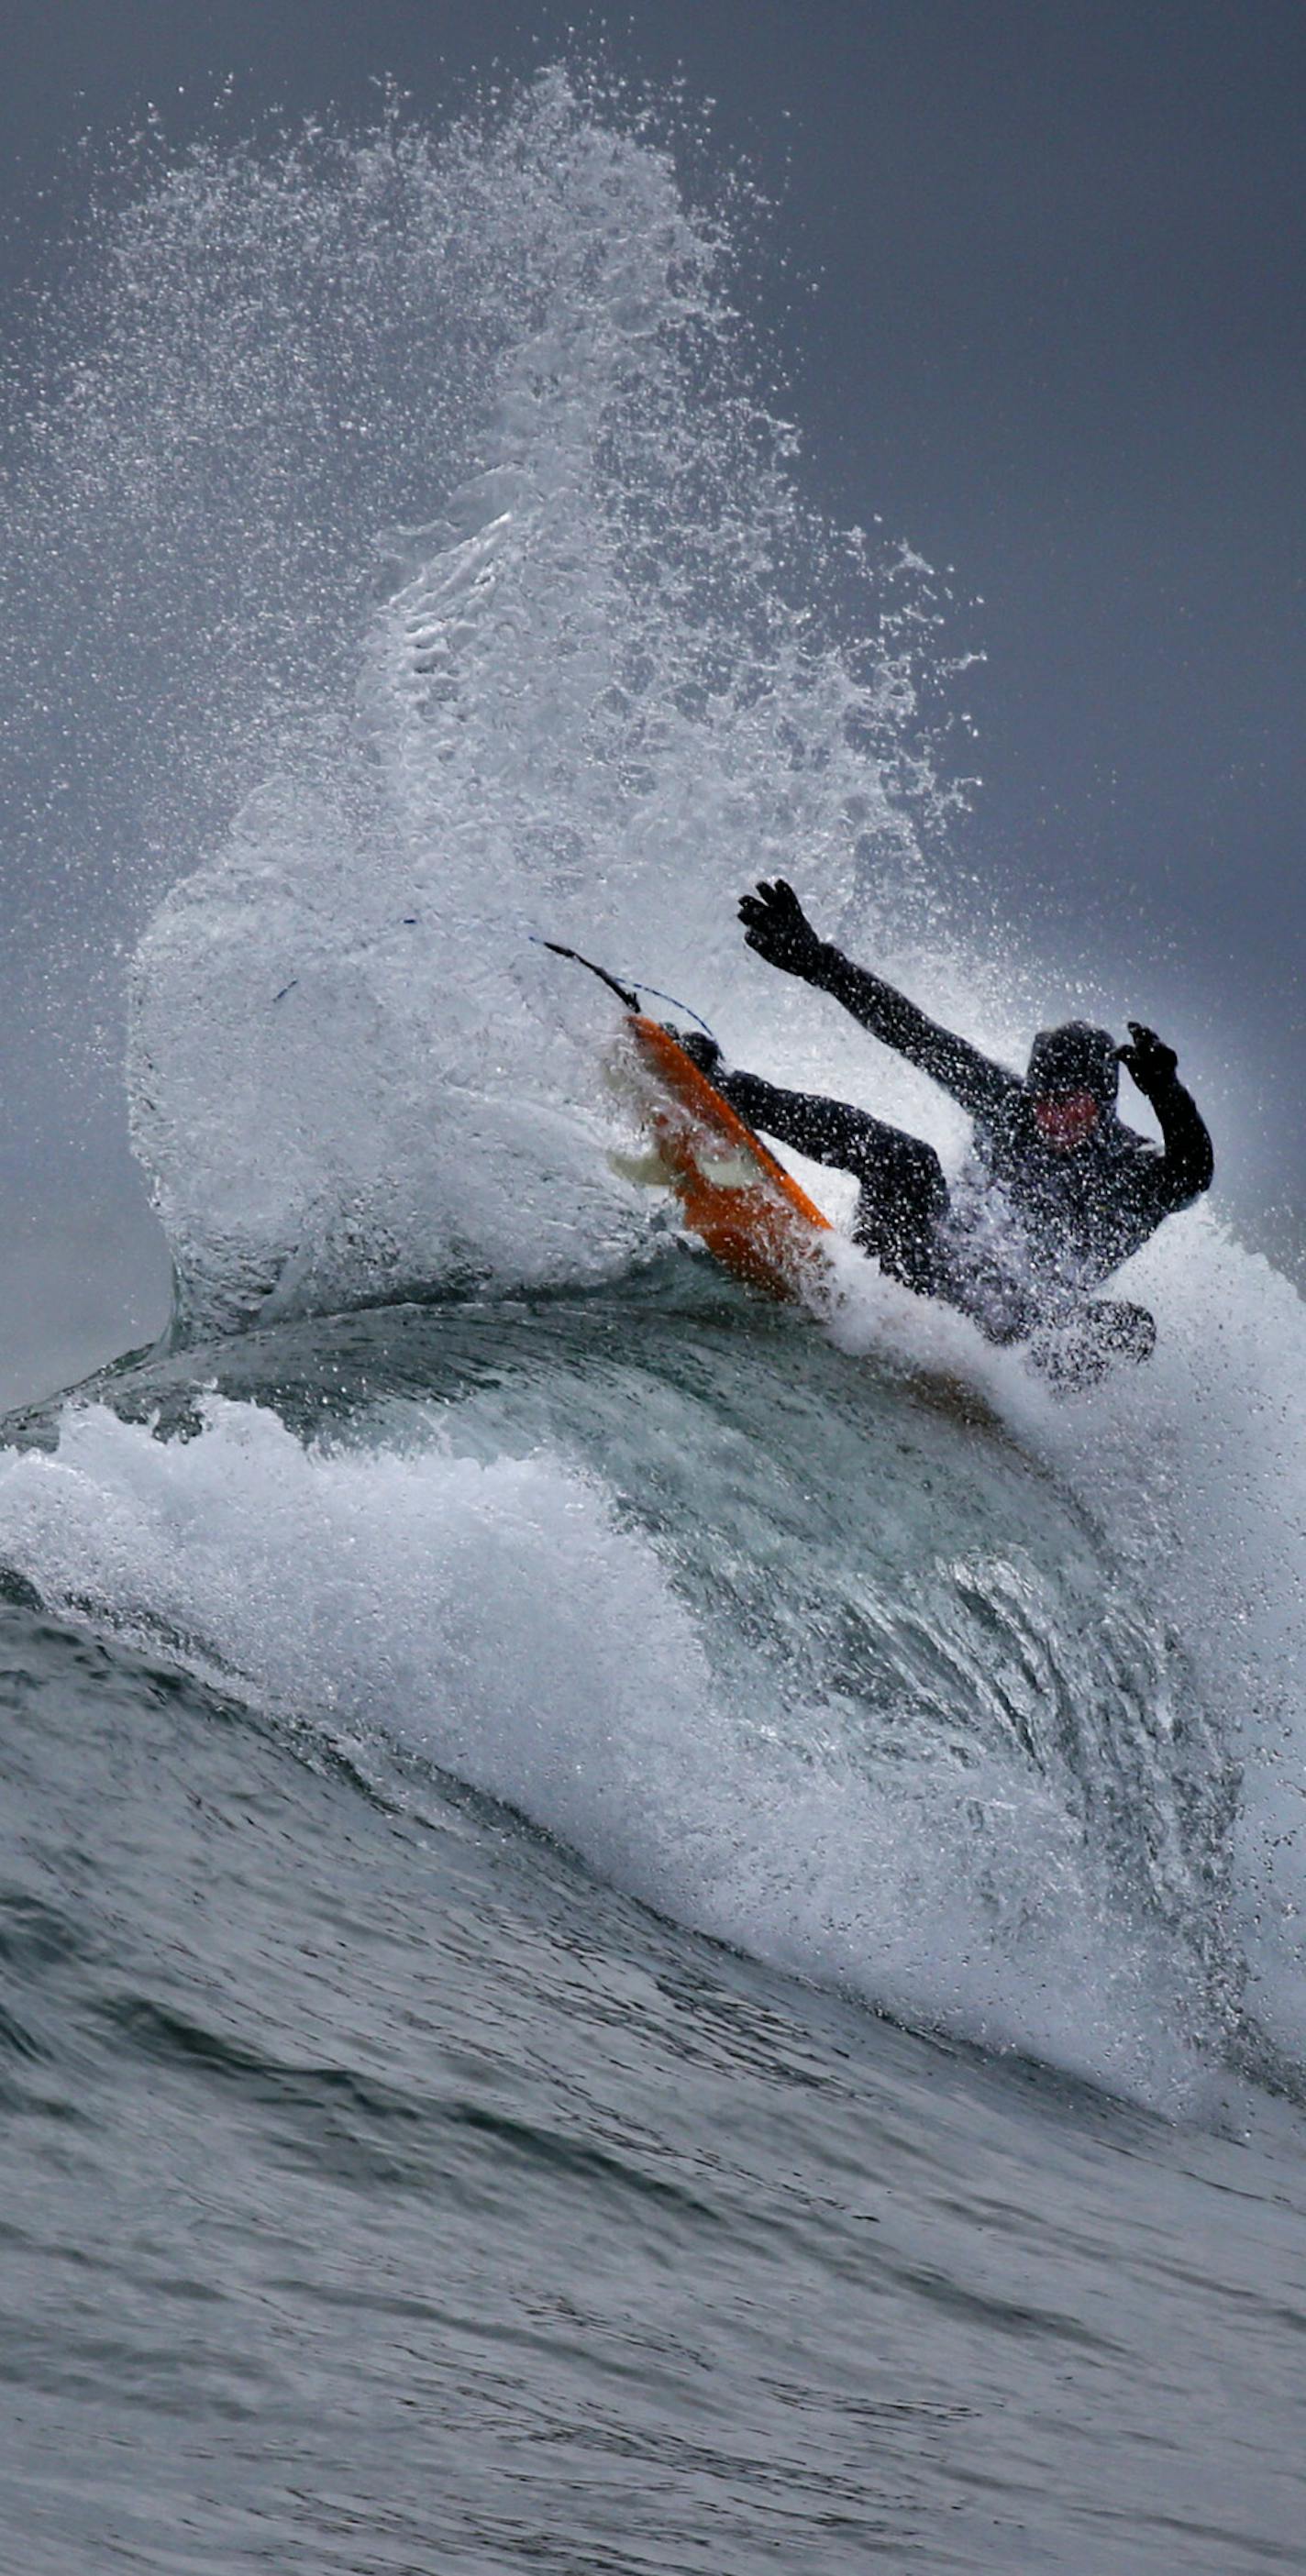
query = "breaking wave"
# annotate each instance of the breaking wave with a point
(440, 527)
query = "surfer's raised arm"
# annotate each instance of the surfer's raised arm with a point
(776, 926)
(1186, 1164)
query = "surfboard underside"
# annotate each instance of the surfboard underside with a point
(741, 1202)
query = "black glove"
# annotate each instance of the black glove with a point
(700, 1049)
(776, 925)
(1152, 1063)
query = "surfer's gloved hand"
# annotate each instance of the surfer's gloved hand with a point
(700, 1049)
(1152, 1063)
(776, 925)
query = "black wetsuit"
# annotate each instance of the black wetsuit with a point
(1023, 1237)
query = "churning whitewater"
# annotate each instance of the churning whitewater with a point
(441, 477)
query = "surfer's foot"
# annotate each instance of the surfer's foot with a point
(1079, 1354)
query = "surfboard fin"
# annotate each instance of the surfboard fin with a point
(650, 1171)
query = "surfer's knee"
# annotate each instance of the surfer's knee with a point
(904, 1196)
(905, 1174)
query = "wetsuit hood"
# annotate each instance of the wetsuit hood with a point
(1075, 1057)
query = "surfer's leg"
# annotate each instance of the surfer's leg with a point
(903, 1191)
(831, 1131)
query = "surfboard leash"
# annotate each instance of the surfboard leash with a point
(627, 993)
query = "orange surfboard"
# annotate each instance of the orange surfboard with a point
(744, 1205)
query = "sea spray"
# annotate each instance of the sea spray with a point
(408, 523)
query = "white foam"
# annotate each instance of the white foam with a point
(501, 1620)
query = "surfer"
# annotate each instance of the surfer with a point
(1058, 1192)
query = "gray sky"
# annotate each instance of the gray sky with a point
(1058, 341)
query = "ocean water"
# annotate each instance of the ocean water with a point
(639, 1932)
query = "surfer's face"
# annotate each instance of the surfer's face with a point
(1066, 1119)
